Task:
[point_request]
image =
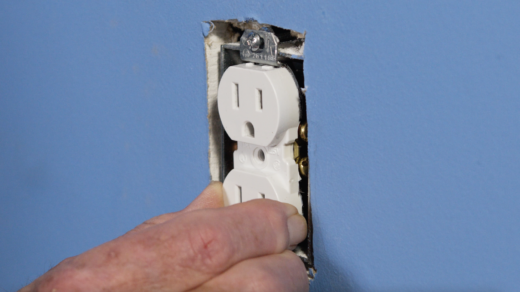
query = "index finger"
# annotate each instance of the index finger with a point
(199, 245)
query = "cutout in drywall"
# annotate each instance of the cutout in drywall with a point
(221, 43)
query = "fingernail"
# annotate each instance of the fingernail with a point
(290, 210)
(215, 185)
(297, 229)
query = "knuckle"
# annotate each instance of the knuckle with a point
(284, 272)
(270, 223)
(210, 249)
(264, 281)
(268, 209)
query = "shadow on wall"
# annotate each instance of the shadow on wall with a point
(331, 276)
(337, 279)
(334, 275)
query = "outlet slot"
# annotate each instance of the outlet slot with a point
(262, 196)
(259, 101)
(249, 130)
(236, 97)
(238, 191)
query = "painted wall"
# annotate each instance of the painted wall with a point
(415, 133)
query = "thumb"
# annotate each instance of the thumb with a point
(211, 197)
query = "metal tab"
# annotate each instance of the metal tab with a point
(259, 46)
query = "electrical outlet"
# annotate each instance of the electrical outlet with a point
(257, 115)
(259, 108)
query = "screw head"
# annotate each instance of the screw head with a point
(303, 165)
(254, 42)
(296, 150)
(302, 131)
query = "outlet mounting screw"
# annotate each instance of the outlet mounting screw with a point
(254, 42)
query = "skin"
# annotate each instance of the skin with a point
(205, 247)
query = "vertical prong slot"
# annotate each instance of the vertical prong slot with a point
(238, 190)
(262, 196)
(235, 94)
(259, 100)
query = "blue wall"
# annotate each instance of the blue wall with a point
(414, 112)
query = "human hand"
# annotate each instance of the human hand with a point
(205, 247)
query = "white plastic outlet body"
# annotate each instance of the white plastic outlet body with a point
(259, 108)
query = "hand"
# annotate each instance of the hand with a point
(205, 247)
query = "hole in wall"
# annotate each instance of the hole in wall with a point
(221, 43)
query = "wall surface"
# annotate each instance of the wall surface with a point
(414, 112)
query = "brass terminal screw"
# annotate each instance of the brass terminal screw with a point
(296, 151)
(302, 131)
(303, 165)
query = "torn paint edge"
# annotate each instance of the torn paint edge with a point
(217, 34)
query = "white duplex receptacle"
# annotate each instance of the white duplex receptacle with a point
(257, 114)
(259, 108)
